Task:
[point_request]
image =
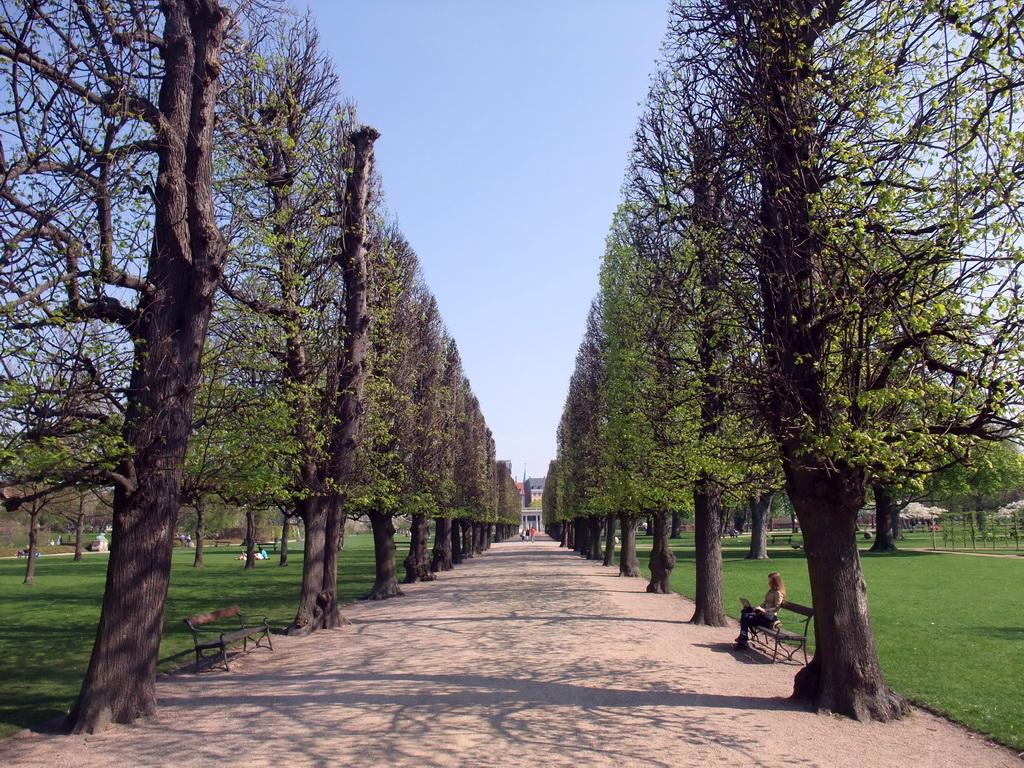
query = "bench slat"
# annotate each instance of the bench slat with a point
(205, 618)
(803, 610)
(234, 637)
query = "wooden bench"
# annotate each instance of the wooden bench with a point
(226, 633)
(780, 536)
(785, 640)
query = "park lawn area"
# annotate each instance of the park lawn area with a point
(949, 628)
(49, 626)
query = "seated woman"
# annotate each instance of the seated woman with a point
(762, 615)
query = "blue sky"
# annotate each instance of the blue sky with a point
(505, 128)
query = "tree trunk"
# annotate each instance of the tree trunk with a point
(200, 532)
(466, 534)
(480, 537)
(885, 510)
(417, 564)
(709, 610)
(385, 584)
(662, 558)
(456, 538)
(628, 563)
(250, 541)
(442, 556)
(184, 269)
(595, 523)
(79, 541)
(328, 597)
(759, 509)
(739, 519)
(33, 544)
(609, 542)
(286, 526)
(677, 526)
(309, 617)
(844, 676)
(582, 538)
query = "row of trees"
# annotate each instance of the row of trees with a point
(812, 284)
(204, 299)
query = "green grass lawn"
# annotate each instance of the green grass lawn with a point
(49, 626)
(949, 628)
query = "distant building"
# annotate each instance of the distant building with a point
(533, 492)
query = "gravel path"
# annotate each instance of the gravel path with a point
(526, 656)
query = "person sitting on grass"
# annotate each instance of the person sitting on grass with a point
(762, 615)
(261, 555)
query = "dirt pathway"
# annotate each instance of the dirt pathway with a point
(527, 656)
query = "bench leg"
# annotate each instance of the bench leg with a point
(257, 639)
(222, 653)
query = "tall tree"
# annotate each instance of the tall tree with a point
(474, 467)
(394, 460)
(427, 488)
(886, 238)
(509, 508)
(299, 288)
(319, 601)
(141, 80)
(648, 417)
(451, 396)
(550, 501)
(582, 476)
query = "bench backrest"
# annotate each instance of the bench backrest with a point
(205, 618)
(803, 610)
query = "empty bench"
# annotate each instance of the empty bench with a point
(212, 641)
(785, 640)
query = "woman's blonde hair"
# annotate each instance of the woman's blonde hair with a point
(775, 579)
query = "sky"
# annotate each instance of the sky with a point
(505, 131)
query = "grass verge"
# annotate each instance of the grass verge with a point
(948, 627)
(50, 625)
